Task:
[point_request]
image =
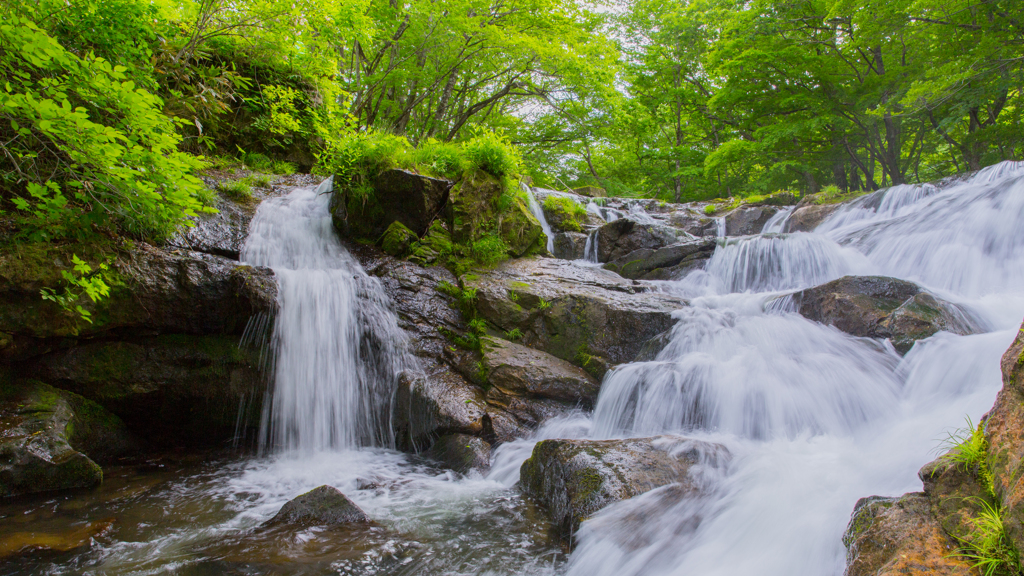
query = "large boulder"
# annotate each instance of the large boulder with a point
(518, 370)
(619, 238)
(895, 536)
(747, 220)
(588, 316)
(665, 263)
(807, 217)
(570, 245)
(574, 479)
(47, 437)
(482, 207)
(881, 307)
(413, 199)
(325, 506)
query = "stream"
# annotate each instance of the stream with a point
(814, 418)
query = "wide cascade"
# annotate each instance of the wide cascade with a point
(815, 418)
(337, 348)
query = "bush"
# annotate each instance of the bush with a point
(493, 154)
(442, 159)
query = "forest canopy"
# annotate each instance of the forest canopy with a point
(111, 108)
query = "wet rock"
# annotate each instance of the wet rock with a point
(518, 370)
(570, 245)
(462, 453)
(43, 432)
(693, 222)
(398, 240)
(619, 238)
(955, 493)
(1004, 430)
(574, 479)
(324, 506)
(584, 315)
(221, 234)
(807, 217)
(664, 263)
(430, 405)
(63, 541)
(881, 307)
(171, 389)
(478, 210)
(893, 536)
(398, 195)
(747, 220)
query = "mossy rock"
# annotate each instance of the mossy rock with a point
(398, 240)
(564, 214)
(462, 453)
(482, 206)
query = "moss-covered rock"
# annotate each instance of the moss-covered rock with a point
(483, 206)
(574, 479)
(895, 536)
(462, 453)
(881, 307)
(43, 434)
(564, 214)
(514, 370)
(325, 506)
(398, 240)
(394, 195)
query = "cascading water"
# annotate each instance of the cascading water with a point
(338, 348)
(815, 419)
(538, 213)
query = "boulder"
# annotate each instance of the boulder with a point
(693, 222)
(588, 316)
(325, 506)
(570, 245)
(619, 238)
(462, 453)
(574, 479)
(413, 199)
(564, 214)
(591, 191)
(894, 536)
(398, 240)
(807, 217)
(43, 433)
(747, 220)
(517, 370)
(664, 263)
(431, 405)
(1004, 431)
(481, 207)
(956, 495)
(881, 307)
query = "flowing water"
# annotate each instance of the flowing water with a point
(538, 213)
(814, 419)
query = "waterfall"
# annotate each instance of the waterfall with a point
(538, 213)
(720, 226)
(590, 248)
(337, 346)
(777, 223)
(815, 418)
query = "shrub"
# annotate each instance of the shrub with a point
(442, 159)
(493, 154)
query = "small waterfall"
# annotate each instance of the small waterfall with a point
(538, 213)
(337, 346)
(777, 223)
(590, 248)
(720, 226)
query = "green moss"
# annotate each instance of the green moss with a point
(398, 239)
(833, 195)
(565, 214)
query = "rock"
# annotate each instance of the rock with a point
(514, 370)
(881, 307)
(570, 245)
(171, 389)
(65, 541)
(672, 261)
(894, 536)
(324, 506)
(591, 191)
(693, 222)
(564, 214)
(397, 195)
(398, 240)
(584, 315)
(1004, 431)
(221, 234)
(43, 432)
(462, 453)
(482, 207)
(955, 494)
(806, 218)
(619, 238)
(431, 405)
(747, 220)
(574, 479)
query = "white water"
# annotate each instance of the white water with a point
(337, 346)
(815, 419)
(538, 213)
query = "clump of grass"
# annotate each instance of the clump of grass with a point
(256, 161)
(514, 334)
(240, 190)
(968, 449)
(282, 168)
(987, 547)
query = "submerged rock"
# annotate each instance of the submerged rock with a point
(881, 307)
(324, 506)
(65, 541)
(462, 453)
(574, 479)
(894, 536)
(587, 316)
(665, 263)
(43, 434)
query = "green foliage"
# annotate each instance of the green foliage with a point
(443, 159)
(568, 213)
(968, 450)
(543, 304)
(489, 250)
(514, 335)
(240, 190)
(987, 546)
(493, 154)
(81, 280)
